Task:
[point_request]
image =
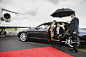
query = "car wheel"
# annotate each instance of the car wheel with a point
(23, 37)
(70, 39)
(5, 34)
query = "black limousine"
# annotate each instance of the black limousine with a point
(45, 31)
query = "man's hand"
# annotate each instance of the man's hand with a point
(74, 32)
(60, 35)
(63, 24)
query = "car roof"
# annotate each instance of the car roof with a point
(51, 22)
(56, 22)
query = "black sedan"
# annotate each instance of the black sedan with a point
(45, 31)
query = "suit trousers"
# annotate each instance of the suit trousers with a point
(75, 47)
(55, 37)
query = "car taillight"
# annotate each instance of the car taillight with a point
(48, 39)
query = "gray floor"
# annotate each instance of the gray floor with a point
(10, 43)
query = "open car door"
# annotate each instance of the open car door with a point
(51, 32)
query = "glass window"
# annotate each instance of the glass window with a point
(45, 26)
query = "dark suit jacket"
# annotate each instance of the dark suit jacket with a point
(61, 31)
(74, 25)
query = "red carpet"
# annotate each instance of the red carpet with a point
(36, 52)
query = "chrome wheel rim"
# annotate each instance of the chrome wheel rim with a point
(23, 37)
(70, 38)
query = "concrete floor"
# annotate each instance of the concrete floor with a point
(10, 43)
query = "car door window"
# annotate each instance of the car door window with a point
(53, 25)
(44, 26)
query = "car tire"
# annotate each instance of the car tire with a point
(23, 37)
(5, 34)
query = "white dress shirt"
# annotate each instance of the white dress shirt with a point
(57, 30)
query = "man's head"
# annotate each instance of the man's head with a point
(58, 24)
(72, 15)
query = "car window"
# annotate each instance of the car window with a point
(44, 26)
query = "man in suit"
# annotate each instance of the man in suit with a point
(58, 31)
(74, 31)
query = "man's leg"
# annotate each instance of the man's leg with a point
(75, 48)
(55, 36)
(60, 41)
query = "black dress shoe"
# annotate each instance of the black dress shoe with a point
(75, 51)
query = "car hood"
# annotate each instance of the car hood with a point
(82, 32)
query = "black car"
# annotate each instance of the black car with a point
(45, 31)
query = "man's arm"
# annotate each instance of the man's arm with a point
(76, 23)
(66, 25)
